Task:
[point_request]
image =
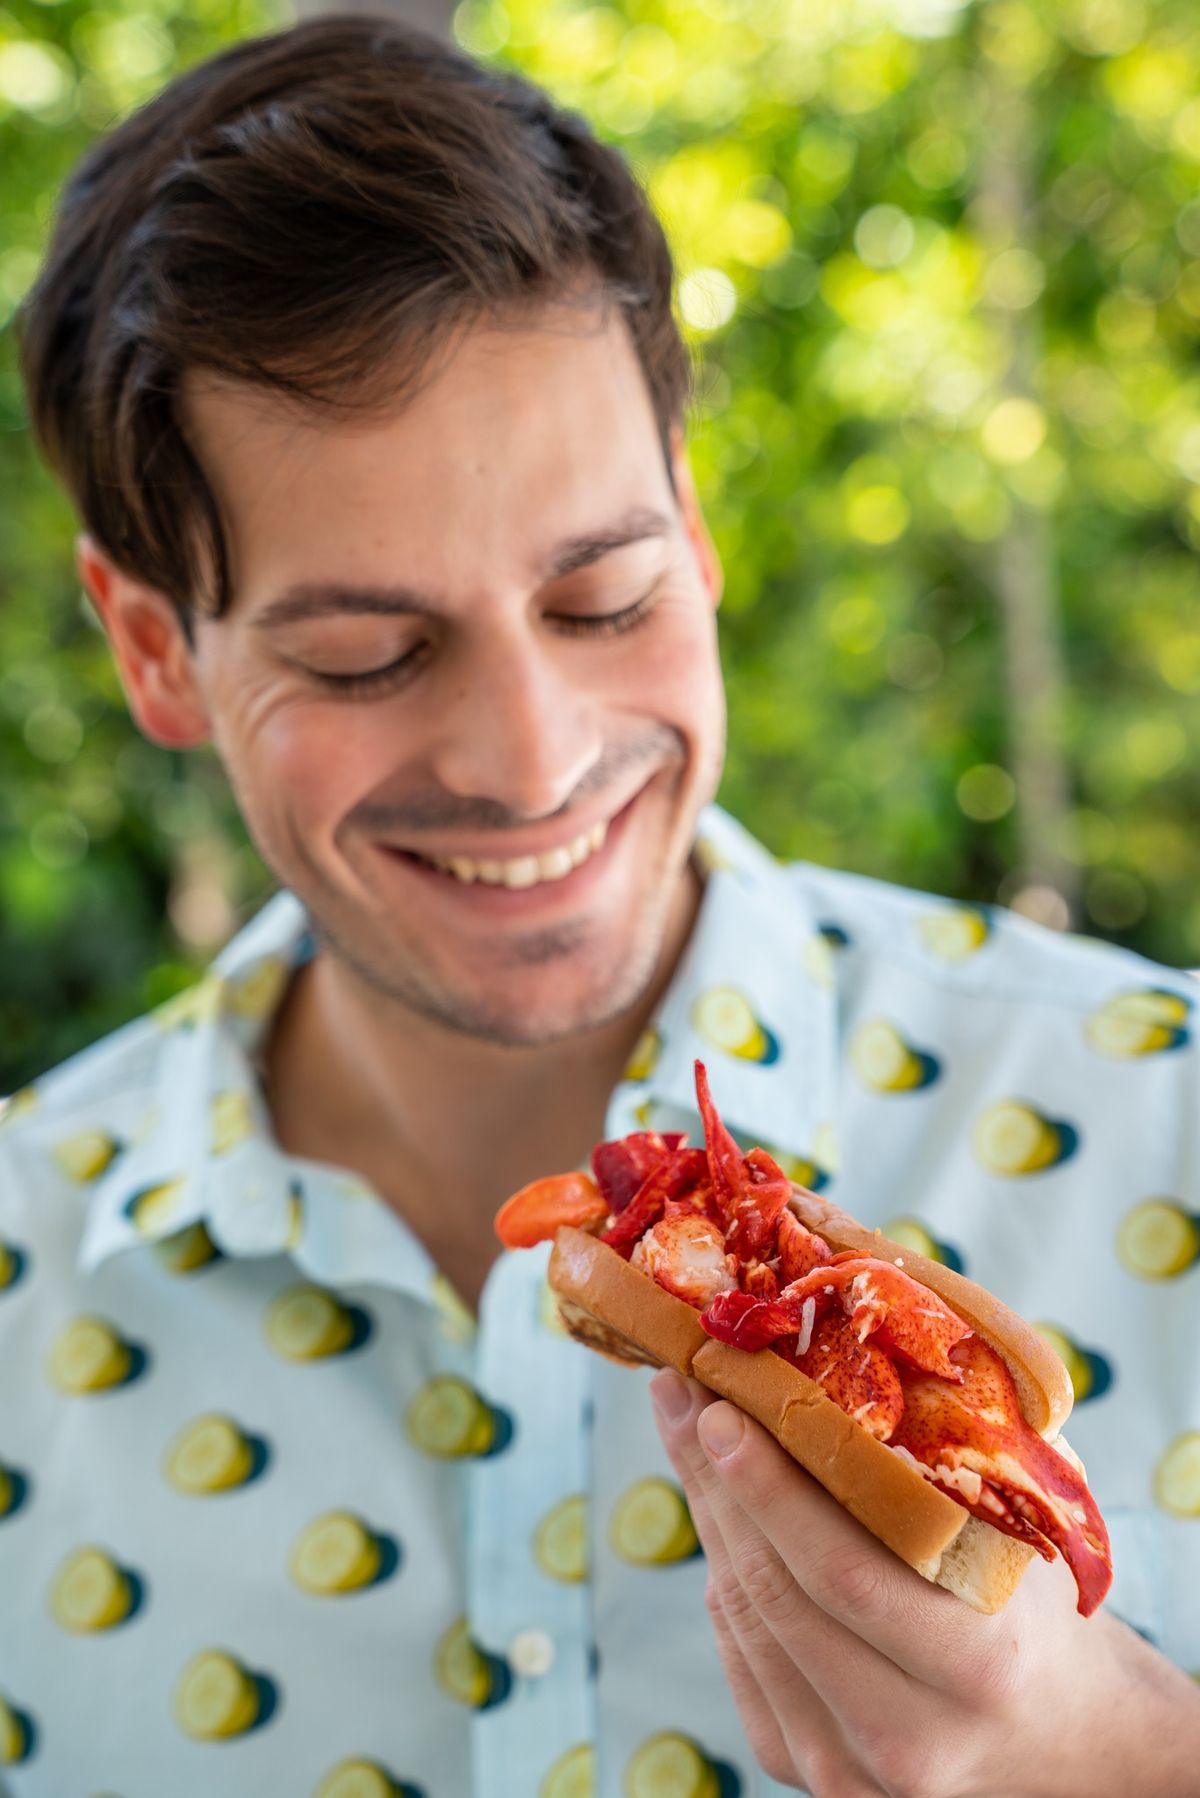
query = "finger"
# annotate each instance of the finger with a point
(801, 1739)
(759, 1718)
(789, 1728)
(853, 1580)
(826, 1660)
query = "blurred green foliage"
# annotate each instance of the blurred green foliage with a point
(940, 268)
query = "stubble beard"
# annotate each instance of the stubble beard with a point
(611, 990)
(627, 953)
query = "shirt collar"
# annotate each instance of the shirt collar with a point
(752, 997)
(206, 1154)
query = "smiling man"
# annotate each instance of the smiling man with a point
(483, 779)
(359, 363)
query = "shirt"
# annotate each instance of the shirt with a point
(279, 1517)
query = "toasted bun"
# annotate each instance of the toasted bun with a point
(612, 1307)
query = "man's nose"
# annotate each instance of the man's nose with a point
(517, 730)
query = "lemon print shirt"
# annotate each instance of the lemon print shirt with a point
(278, 1516)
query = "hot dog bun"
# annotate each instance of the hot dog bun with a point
(611, 1306)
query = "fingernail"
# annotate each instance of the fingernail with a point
(672, 1400)
(720, 1430)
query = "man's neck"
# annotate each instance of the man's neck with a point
(444, 1125)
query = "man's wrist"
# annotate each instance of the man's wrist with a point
(1138, 1725)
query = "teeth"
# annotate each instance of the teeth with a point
(554, 864)
(527, 870)
(521, 873)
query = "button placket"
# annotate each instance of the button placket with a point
(540, 1624)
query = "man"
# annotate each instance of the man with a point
(358, 361)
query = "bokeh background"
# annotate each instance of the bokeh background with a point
(939, 267)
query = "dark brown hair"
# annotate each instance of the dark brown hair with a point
(315, 212)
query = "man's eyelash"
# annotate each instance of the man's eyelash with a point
(375, 679)
(611, 624)
(608, 624)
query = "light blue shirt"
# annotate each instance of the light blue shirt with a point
(277, 1517)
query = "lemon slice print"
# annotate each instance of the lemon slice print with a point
(357, 1779)
(255, 993)
(295, 1216)
(8, 1491)
(8, 1266)
(1177, 1476)
(198, 1004)
(725, 1018)
(186, 1249)
(644, 1060)
(209, 1455)
(232, 1121)
(883, 1061)
(1111, 1034)
(1153, 1005)
(953, 935)
(89, 1592)
(670, 1766)
(1157, 1239)
(1012, 1138)
(87, 1355)
(560, 1545)
(816, 958)
(334, 1553)
(911, 1233)
(305, 1323)
(825, 1146)
(1138, 1023)
(448, 1418)
(461, 1668)
(709, 859)
(573, 1774)
(800, 1169)
(651, 1525)
(549, 1315)
(1072, 1358)
(455, 1320)
(154, 1209)
(24, 1101)
(13, 1740)
(85, 1155)
(215, 1697)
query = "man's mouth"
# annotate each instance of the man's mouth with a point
(522, 870)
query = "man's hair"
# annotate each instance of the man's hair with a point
(316, 213)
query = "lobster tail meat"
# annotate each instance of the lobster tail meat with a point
(973, 1441)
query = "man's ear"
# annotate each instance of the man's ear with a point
(147, 638)
(693, 518)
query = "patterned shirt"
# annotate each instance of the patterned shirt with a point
(278, 1516)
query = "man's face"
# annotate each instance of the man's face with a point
(472, 646)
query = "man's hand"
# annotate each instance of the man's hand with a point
(855, 1676)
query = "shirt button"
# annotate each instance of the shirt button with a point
(531, 1653)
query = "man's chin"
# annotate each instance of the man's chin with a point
(548, 986)
(533, 1017)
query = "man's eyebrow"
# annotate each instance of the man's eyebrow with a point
(576, 552)
(319, 599)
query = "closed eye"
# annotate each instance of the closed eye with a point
(610, 624)
(392, 674)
